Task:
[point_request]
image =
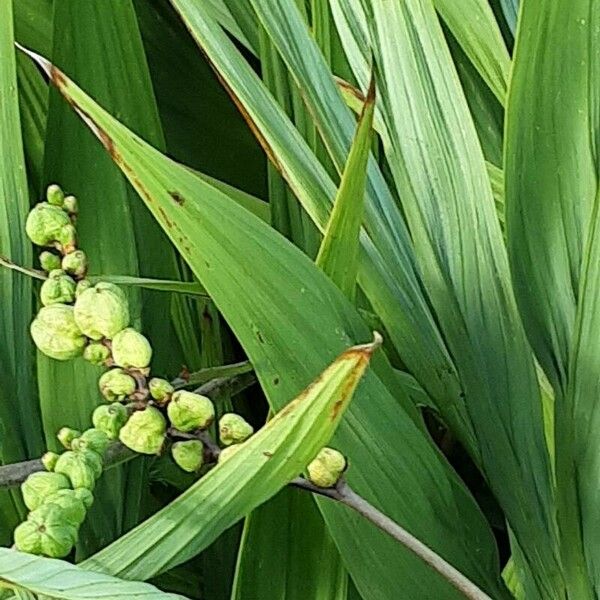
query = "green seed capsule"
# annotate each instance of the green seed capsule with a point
(82, 468)
(49, 261)
(116, 385)
(38, 486)
(75, 263)
(102, 311)
(82, 285)
(160, 389)
(130, 349)
(96, 353)
(110, 418)
(234, 429)
(145, 431)
(49, 460)
(54, 195)
(55, 332)
(66, 436)
(327, 468)
(188, 411)
(93, 439)
(59, 288)
(74, 508)
(189, 455)
(48, 225)
(71, 205)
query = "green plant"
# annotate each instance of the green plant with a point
(458, 216)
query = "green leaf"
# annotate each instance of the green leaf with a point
(339, 251)
(60, 579)
(292, 320)
(20, 425)
(439, 169)
(510, 8)
(313, 568)
(552, 168)
(192, 288)
(261, 467)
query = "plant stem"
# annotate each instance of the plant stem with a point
(9, 264)
(344, 494)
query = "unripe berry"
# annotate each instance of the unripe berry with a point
(130, 349)
(38, 486)
(49, 261)
(327, 468)
(188, 411)
(102, 311)
(56, 334)
(96, 353)
(82, 468)
(66, 436)
(145, 431)
(71, 205)
(75, 263)
(49, 225)
(54, 195)
(110, 418)
(116, 385)
(49, 460)
(234, 429)
(188, 455)
(92, 439)
(160, 389)
(59, 288)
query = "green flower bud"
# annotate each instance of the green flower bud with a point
(94, 440)
(46, 533)
(74, 508)
(47, 225)
(82, 468)
(110, 418)
(116, 384)
(75, 263)
(102, 311)
(71, 205)
(234, 429)
(55, 195)
(227, 453)
(82, 285)
(49, 261)
(96, 353)
(85, 496)
(326, 469)
(160, 389)
(38, 486)
(131, 349)
(189, 455)
(49, 460)
(56, 334)
(58, 288)
(188, 411)
(66, 436)
(145, 431)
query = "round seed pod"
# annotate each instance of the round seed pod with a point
(130, 349)
(116, 385)
(188, 455)
(145, 431)
(59, 288)
(55, 332)
(75, 263)
(228, 452)
(92, 439)
(54, 195)
(160, 389)
(71, 205)
(49, 261)
(73, 506)
(110, 418)
(46, 532)
(101, 311)
(188, 411)
(85, 496)
(96, 353)
(38, 486)
(49, 460)
(234, 429)
(47, 225)
(326, 468)
(66, 436)
(82, 285)
(82, 468)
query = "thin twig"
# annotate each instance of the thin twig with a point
(9, 264)
(344, 494)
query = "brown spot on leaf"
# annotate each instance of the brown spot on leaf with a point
(166, 219)
(276, 381)
(58, 77)
(268, 454)
(177, 197)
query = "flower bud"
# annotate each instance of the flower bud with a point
(49, 460)
(96, 353)
(188, 411)
(49, 262)
(66, 436)
(145, 431)
(82, 285)
(189, 455)
(47, 225)
(46, 533)
(75, 263)
(54, 195)
(85, 496)
(228, 452)
(71, 205)
(326, 469)
(131, 349)
(94, 440)
(110, 418)
(234, 429)
(160, 389)
(116, 385)
(56, 334)
(102, 311)
(59, 288)
(38, 486)
(67, 238)
(74, 509)
(82, 468)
